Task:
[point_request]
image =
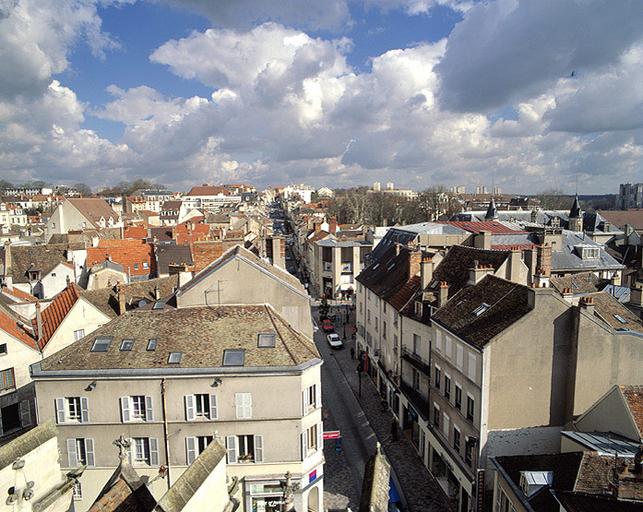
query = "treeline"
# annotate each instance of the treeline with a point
(122, 188)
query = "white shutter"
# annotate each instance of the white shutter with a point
(72, 454)
(214, 413)
(445, 425)
(447, 346)
(258, 448)
(304, 444)
(25, 413)
(190, 449)
(460, 356)
(320, 436)
(60, 410)
(189, 407)
(84, 409)
(149, 410)
(243, 404)
(471, 367)
(231, 448)
(438, 341)
(89, 452)
(125, 415)
(154, 451)
(318, 398)
(247, 405)
(132, 448)
(303, 402)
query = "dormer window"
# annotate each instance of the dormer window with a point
(481, 309)
(588, 253)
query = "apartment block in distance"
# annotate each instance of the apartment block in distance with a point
(172, 381)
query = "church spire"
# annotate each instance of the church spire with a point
(492, 211)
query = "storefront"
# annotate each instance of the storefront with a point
(266, 496)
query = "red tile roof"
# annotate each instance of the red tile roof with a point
(633, 217)
(208, 190)
(138, 232)
(19, 294)
(53, 315)
(509, 247)
(131, 254)
(478, 226)
(10, 325)
(188, 233)
(204, 253)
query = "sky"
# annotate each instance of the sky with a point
(527, 95)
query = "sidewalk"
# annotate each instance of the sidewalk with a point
(421, 490)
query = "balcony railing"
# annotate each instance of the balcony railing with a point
(416, 398)
(416, 360)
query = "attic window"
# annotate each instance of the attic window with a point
(390, 265)
(101, 344)
(620, 319)
(158, 305)
(151, 345)
(266, 340)
(233, 357)
(481, 309)
(127, 345)
(375, 266)
(175, 357)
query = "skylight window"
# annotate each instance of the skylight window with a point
(127, 345)
(620, 319)
(175, 357)
(158, 305)
(375, 266)
(151, 344)
(101, 344)
(266, 340)
(481, 309)
(233, 357)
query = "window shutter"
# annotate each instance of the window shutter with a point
(214, 413)
(318, 398)
(231, 448)
(248, 405)
(460, 356)
(149, 411)
(25, 413)
(60, 410)
(304, 444)
(72, 454)
(189, 407)
(84, 409)
(89, 452)
(131, 450)
(154, 451)
(258, 448)
(303, 402)
(190, 449)
(320, 436)
(125, 417)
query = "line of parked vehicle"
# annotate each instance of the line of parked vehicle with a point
(334, 341)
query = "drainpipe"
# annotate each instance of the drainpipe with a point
(165, 434)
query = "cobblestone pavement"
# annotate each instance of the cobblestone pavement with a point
(420, 489)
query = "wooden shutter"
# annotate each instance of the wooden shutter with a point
(125, 415)
(231, 449)
(89, 452)
(60, 410)
(149, 410)
(190, 450)
(84, 409)
(25, 413)
(72, 454)
(304, 444)
(154, 451)
(214, 413)
(258, 441)
(189, 407)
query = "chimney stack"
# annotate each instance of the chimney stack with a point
(157, 293)
(8, 266)
(443, 294)
(120, 294)
(332, 225)
(38, 322)
(587, 303)
(515, 265)
(543, 259)
(426, 271)
(482, 240)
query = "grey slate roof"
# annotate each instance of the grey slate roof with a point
(567, 258)
(171, 253)
(35, 257)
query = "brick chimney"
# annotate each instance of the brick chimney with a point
(415, 265)
(426, 271)
(120, 295)
(332, 225)
(443, 294)
(587, 303)
(543, 259)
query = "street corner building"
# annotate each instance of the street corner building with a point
(172, 381)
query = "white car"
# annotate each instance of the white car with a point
(334, 341)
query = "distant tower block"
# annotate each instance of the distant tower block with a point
(389, 186)
(377, 186)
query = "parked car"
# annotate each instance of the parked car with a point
(327, 325)
(334, 341)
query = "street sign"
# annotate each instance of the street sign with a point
(332, 434)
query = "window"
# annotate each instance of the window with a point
(3, 349)
(368, 316)
(78, 334)
(266, 340)
(468, 451)
(618, 317)
(135, 266)
(8, 379)
(244, 448)
(456, 439)
(438, 341)
(78, 491)
(384, 329)
(416, 344)
(80, 451)
(151, 345)
(471, 367)
(446, 422)
(438, 377)
(447, 346)
(481, 309)
(311, 440)
(127, 345)
(101, 344)
(470, 408)
(136, 408)
(458, 397)
(233, 357)
(396, 317)
(72, 409)
(436, 416)
(416, 379)
(459, 360)
(146, 265)
(201, 406)
(194, 446)
(243, 405)
(145, 450)
(447, 387)
(175, 357)
(310, 400)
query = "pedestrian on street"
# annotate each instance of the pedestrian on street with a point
(394, 431)
(352, 353)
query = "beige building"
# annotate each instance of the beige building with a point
(172, 381)
(241, 277)
(80, 214)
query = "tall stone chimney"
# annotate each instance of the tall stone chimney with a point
(120, 295)
(443, 294)
(8, 266)
(426, 271)
(515, 266)
(482, 240)
(38, 322)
